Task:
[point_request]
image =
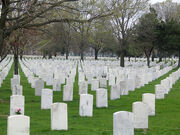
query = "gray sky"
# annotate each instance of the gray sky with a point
(154, 1)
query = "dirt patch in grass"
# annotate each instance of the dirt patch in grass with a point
(4, 116)
(4, 101)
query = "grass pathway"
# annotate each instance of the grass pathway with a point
(102, 121)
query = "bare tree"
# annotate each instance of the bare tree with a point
(125, 14)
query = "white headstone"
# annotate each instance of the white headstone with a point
(123, 90)
(18, 125)
(94, 84)
(16, 102)
(159, 91)
(103, 82)
(39, 85)
(140, 111)
(68, 93)
(14, 81)
(130, 84)
(56, 85)
(46, 98)
(123, 123)
(17, 89)
(83, 87)
(149, 99)
(86, 105)
(101, 98)
(115, 92)
(59, 116)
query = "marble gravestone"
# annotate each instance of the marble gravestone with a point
(59, 116)
(17, 89)
(39, 85)
(101, 98)
(115, 92)
(68, 93)
(14, 81)
(94, 84)
(103, 82)
(140, 111)
(149, 99)
(123, 90)
(86, 105)
(56, 85)
(16, 102)
(123, 123)
(159, 91)
(83, 87)
(46, 98)
(18, 125)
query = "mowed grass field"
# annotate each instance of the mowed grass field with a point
(166, 121)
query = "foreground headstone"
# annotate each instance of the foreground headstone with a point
(101, 98)
(59, 116)
(123, 123)
(46, 98)
(39, 85)
(18, 125)
(149, 99)
(86, 105)
(16, 103)
(140, 111)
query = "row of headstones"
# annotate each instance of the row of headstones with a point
(140, 78)
(116, 90)
(166, 84)
(97, 68)
(125, 122)
(5, 67)
(50, 67)
(17, 98)
(56, 82)
(49, 78)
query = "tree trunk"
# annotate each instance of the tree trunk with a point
(21, 56)
(179, 57)
(1, 42)
(160, 58)
(16, 54)
(4, 12)
(129, 58)
(153, 56)
(67, 54)
(82, 55)
(50, 56)
(96, 53)
(148, 61)
(122, 58)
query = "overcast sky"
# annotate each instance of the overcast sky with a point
(154, 1)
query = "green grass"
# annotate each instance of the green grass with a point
(166, 121)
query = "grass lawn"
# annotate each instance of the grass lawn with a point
(166, 121)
